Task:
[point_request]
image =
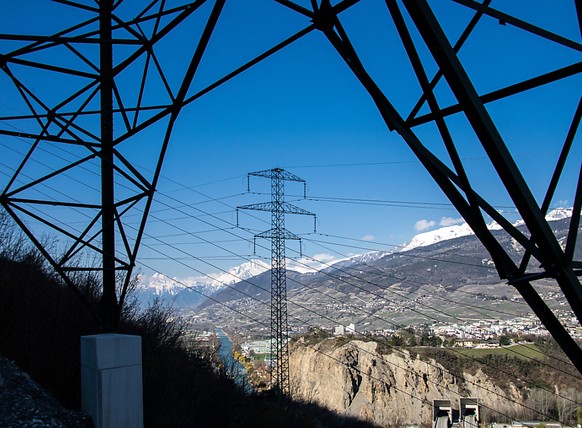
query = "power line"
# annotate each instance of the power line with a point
(393, 245)
(278, 234)
(469, 305)
(226, 197)
(408, 254)
(190, 205)
(344, 281)
(402, 253)
(357, 287)
(384, 288)
(303, 308)
(403, 162)
(250, 296)
(395, 348)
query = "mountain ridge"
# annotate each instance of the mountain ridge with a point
(252, 279)
(451, 280)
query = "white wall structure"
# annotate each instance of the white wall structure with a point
(111, 380)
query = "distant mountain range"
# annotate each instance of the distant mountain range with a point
(191, 291)
(442, 261)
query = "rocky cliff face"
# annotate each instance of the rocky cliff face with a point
(353, 379)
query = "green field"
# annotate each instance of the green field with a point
(518, 351)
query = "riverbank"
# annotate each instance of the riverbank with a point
(234, 369)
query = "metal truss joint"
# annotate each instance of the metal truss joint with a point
(324, 17)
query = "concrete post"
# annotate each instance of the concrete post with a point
(111, 380)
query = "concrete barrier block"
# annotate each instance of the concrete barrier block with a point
(111, 380)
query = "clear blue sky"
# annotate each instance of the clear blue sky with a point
(304, 111)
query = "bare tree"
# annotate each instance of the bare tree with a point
(12, 239)
(567, 405)
(542, 404)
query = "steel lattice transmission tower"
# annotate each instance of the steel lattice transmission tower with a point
(72, 150)
(278, 234)
(116, 62)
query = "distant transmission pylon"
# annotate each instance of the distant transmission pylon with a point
(278, 234)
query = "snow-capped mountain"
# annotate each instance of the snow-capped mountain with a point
(160, 285)
(402, 284)
(360, 258)
(438, 235)
(559, 214)
(191, 290)
(456, 231)
(239, 273)
(167, 289)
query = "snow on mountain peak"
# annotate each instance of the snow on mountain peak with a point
(160, 284)
(456, 231)
(437, 235)
(240, 273)
(559, 214)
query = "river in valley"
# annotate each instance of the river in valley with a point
(234, 369)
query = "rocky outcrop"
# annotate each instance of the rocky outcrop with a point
(353, 379)
(23, 403)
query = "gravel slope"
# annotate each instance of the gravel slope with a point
(23, 403)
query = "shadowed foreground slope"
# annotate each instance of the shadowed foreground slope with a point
(41, 322)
